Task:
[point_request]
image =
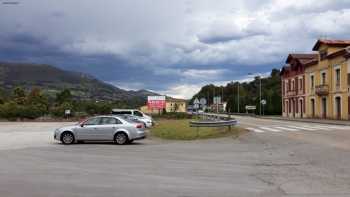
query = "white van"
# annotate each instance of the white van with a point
(133, 112)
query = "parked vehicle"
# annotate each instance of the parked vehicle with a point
(133, 112)
(148, 123)
(102, 128)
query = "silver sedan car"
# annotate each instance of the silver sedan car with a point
(102, 128)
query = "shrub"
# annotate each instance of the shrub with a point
(59, 111)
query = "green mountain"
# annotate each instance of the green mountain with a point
(52, 80)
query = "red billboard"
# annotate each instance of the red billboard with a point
(156, 102)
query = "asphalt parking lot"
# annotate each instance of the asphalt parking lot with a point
(256, 164)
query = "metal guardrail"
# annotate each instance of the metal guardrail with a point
(213, 123)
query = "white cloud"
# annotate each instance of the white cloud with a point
(203, 74)
(184, 91)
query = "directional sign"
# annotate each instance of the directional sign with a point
(203, 101)
(250, 107)
(217, 100)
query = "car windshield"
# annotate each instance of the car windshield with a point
(129, 118)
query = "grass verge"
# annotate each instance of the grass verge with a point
(180, 130)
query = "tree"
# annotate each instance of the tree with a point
(64, 96)
(19, 95)
(2, 96)
(248, 94)
(36, 97)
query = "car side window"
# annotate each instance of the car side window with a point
(137, 113)
(92, 121)
(108, 121)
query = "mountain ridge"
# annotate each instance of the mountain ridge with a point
(52, 79)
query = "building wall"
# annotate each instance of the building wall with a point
(329, 67)
(291, 106)
(171, 106)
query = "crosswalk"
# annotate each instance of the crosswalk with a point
(295, 128)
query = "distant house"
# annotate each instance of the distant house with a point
(171, 105)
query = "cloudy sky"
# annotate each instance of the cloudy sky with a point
(169, 46)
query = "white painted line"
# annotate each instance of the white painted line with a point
(287, 129)
(319, 127)
(337, 127)
(302, 128)
(270, 129)
(255, 130)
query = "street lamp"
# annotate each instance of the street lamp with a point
(260, 104)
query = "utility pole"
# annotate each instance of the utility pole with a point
(214, 96)
(238, 97)
(260, 95)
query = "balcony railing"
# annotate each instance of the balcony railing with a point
(291, 93)
(322, 90)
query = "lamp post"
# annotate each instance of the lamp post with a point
(260, 104)
(237, 97)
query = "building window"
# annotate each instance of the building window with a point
(323, 77)
(300, 84)
(337, 77)
(312, 79)
(323, 54)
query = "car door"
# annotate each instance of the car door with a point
(107, 127)
(89, 129)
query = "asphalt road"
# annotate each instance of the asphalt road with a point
(311, 160)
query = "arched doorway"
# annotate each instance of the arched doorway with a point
(313, 108)
(301, 106)
(338, 107)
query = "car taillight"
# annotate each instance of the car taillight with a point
(139, 126)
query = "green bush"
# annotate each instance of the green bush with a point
(11, 110)
(59, 111)
(33, 111)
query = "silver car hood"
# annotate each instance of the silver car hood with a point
(68, 128)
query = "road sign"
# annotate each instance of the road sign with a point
(196, 101)
(250, 107)
(203, 101)
(156, 102)
(67, 112)
(263, 102)
(217, 100)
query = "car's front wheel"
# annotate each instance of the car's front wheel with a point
(121, 138)
(67, 138)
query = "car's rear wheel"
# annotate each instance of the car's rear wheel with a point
(121, 138)
(67, 138)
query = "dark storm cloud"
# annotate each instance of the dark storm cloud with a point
(164, 45)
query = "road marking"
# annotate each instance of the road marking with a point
(255, 130)
(302, 128)
(270, 129)
(287, 129)
(336, 127)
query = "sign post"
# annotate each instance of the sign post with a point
(263, 102)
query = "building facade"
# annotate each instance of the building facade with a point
(171, 105)
(328, 81)
(293, 85)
